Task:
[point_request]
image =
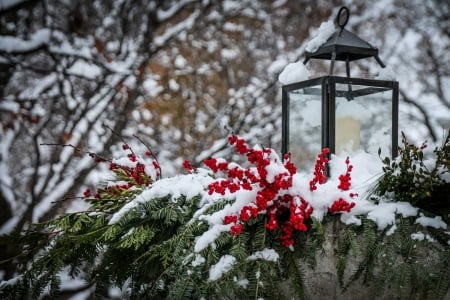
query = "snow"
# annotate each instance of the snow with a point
(384, 214)
(277, 66)
(174, 30)
(293, 72)
(199, 260)
(209, 236)
(215, 220)
(233, 27)
(11, 281)
(229, 53)
(241, 282)
(189, 185)
(6, 4)
(14, 44)
(163, 15)
(278, 3)
(224, 264)
(391, 230)
(435, 222)
(85, 69)
(151, 87)
(265, 254)
(420, 236)
(180, 62)
(173, 85)
(326, 30)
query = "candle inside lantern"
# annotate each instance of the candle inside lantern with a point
(347, 134)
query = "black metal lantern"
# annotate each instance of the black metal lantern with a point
(343, 114)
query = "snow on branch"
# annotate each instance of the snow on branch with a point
(12, 44)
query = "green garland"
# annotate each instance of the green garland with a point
(149, 252)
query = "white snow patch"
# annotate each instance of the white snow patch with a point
(198, 261)
(180, 62)
(435, 222)
(384, 213)
(174, 30)
(152, 87)
(293, 72)
(189, 185)
(391, 230)
(229, 26)
(419, 236)
(13, 44)
(229, 53)
(277, 66)
(85, 69)
(224, 265)
(241, 282)
(326, 30)
(265, 254)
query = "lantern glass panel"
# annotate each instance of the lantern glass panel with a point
(305, 123)
(363, 119)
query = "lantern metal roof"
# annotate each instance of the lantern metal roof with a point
(344, 45)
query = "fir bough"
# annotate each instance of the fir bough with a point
(394, 265)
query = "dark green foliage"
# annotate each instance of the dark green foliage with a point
(412, 269)
(395, 264)
(138, 250)
(412, 180)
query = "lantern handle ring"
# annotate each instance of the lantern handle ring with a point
(342, 17)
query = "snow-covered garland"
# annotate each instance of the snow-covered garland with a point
(209, 217)
(271, 179)
(270, 187)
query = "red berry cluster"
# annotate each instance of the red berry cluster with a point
(238, 177)
(133, 175)
(341, 205)
(298, 211)
(187, 165)
(272, 179)
(344, 179)
(320, 170)
(283, 210)
(136, 174)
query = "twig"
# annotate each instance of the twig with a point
(97, 157)
(67, 198)
(151, 152)
(119, 136)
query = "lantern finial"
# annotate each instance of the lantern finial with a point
(342, 17)
(344, 45)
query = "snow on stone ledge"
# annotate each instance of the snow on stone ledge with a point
(326, 29)
(293, 72)
(384, 214)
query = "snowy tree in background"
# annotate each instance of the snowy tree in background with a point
(72, 70)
